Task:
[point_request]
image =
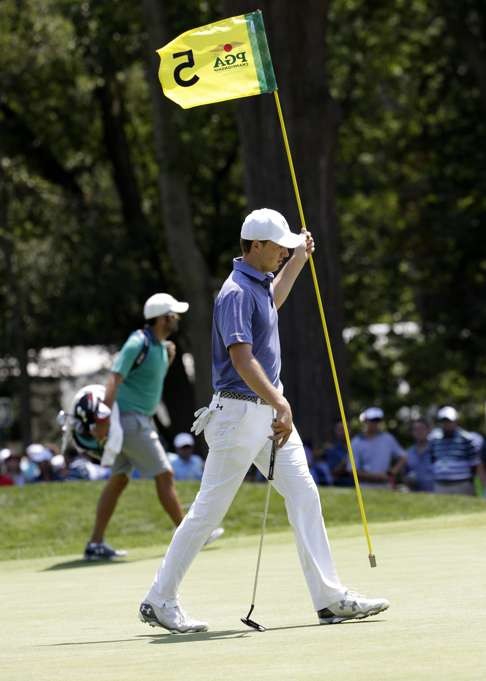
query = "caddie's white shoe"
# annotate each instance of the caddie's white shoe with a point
(352, 606)
(215, 534)
(173, 618)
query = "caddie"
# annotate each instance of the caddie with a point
(247, 412)
(135, 383)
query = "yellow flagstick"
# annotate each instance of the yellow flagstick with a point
(371, 555)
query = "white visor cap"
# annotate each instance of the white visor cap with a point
(183, 440)
(266, 224)
(372, 414)
(448, 413)
(163, 303)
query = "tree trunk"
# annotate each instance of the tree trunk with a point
(187, 260)
(296, 34)
(113, 117)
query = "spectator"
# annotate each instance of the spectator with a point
(420, 472)
(41, 457)
(378, 456)
(79, 467)
(185, 463)
(454, 456)
(13, 468)
(319, 467)
(482, 468)
(336, 456)
(6, 480)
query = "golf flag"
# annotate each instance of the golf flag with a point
(224, 60)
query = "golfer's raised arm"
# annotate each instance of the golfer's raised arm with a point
(285, 279)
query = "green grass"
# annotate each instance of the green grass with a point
(55, 519)
(67, 620)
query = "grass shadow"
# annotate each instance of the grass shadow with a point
(81, 563)
(166, 637)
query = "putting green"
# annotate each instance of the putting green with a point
(63, 620)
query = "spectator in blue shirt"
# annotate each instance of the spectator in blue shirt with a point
(454, 456)
(420, 471)
(336, 456)
(378, 456)
(185, 463)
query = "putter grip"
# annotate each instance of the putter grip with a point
(272, 462)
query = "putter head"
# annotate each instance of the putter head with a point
(252, 624)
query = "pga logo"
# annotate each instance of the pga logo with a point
(236, 59)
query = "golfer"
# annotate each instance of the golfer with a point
(247, 411)
(136, 383)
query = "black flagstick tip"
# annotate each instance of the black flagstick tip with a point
(372, 560)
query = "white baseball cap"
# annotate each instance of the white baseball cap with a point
(448, 413)
(5, 454)
(372, 414)
(38, 453)
(266, 224)
(183, 440)
(163, 303)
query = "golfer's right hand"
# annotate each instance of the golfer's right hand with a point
(282, 424)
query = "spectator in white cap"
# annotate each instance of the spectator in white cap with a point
(41, 456)
(186, 464)
(454, 456)
(136, 382)
(378, 456)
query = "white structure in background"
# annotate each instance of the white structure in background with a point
(77, 366)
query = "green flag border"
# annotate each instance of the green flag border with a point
(261, 52)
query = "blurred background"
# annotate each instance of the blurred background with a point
(109, 192)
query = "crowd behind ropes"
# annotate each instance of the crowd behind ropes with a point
(443, 458)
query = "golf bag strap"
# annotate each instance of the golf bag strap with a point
(144, 350)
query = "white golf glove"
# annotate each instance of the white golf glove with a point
(203, 416)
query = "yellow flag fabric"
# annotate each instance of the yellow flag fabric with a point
(224, 60)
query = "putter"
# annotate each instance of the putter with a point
(246, 620)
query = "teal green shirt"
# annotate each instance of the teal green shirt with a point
(141, 389)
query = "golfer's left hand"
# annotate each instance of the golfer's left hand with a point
(305, 250)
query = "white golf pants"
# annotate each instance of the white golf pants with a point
(238, 435)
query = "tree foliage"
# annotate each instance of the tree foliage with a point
(411, 180)
(82, 238)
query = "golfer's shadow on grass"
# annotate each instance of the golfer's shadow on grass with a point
(166, 637)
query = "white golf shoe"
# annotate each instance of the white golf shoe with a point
(352, 606)
(173, 618)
